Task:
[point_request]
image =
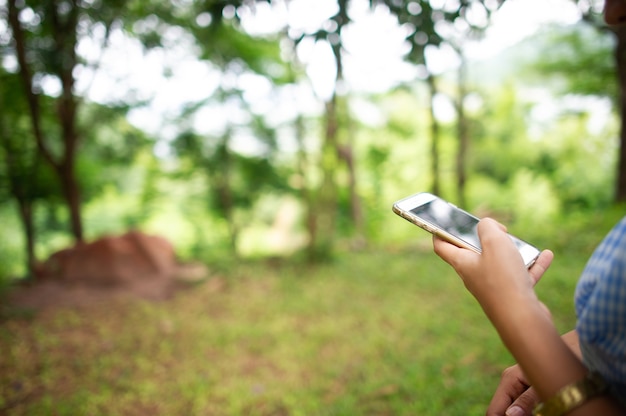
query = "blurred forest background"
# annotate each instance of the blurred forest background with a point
(270, 128)
(267, 141)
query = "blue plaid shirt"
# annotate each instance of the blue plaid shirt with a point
(601, 310)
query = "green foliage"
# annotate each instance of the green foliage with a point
(500, 145)
(219, 37)
(23, 173)
(12, 256)
(245, 177)
(424, 21)
(571, 158)
(578, 60)
(557, 163)
(111, 146)
(224, 44)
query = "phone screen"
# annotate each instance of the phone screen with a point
(450, 219)
(442, 218)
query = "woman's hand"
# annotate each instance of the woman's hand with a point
(514, 395)
(497, 278)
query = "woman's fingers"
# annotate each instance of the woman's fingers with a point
(542, 264)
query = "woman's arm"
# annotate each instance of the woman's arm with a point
(503, 286)
(515, 391)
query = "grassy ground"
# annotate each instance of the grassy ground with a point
(388, 332)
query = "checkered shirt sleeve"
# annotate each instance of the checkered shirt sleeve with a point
(601, 306)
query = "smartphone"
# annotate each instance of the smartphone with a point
(451, 223)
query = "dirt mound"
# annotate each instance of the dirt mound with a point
(133, 264)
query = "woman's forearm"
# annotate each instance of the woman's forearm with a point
(549, 361)
(529, 334)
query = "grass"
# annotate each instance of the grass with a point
(382, 332)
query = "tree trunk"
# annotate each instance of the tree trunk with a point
(71, 193)
(305, 190)
(26, 216)
(66, 107)
(346, 153)
(64, 48)
(224, 190)
(620, 59)
(461, 171)
(21, 187)
(326, 200)
(434, 132)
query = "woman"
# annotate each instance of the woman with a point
(581, 373)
